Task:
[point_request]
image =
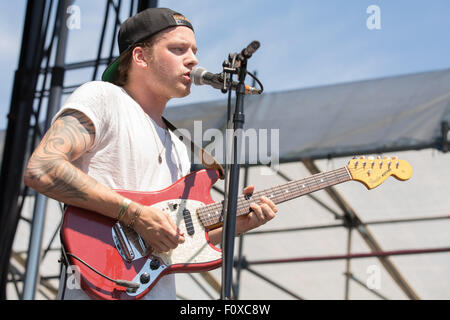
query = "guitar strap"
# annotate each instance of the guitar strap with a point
(207, 159)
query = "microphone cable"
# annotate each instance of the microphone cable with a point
(257, 80)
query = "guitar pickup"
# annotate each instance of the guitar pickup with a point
(188, 222)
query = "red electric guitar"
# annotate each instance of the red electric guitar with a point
(115, 263)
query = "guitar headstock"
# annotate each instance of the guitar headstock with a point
(372, 172)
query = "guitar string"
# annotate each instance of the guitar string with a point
(279, 190)
(338, 175)
(275, 191)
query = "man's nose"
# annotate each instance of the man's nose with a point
(192, 60)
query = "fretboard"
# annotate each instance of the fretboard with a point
(212, 214)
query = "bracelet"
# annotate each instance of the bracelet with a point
(123, 208)
(137, 213)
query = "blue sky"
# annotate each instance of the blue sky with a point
(303, 43)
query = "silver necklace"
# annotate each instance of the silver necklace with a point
(166, 132)
(154, 130)
(156, 142)
(175, 162)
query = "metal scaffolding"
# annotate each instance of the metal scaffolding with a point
(37, 91)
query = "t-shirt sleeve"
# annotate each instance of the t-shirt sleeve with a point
(90, 99)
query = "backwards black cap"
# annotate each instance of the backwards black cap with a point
(138, 28)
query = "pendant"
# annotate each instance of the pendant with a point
(159, 159)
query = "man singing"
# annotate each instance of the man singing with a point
(110, 134)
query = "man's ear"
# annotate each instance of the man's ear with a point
(139, 57)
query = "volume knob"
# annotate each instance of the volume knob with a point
(145, 278)
(154, 264)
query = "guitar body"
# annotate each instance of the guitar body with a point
(111, 249)
(119, 253)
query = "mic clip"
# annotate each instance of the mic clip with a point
(227, 71)
(232, 66)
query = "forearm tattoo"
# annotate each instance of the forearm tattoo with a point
(71, 135)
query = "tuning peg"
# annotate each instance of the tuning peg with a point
(370, 158)
(362, 157)
(394, 158)
(386, 158)
(378, 157)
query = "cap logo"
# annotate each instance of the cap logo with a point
(184, 23)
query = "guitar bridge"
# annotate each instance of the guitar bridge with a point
(129, 244)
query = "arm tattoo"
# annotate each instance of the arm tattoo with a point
(71, 135)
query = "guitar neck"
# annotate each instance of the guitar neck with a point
(212, 214)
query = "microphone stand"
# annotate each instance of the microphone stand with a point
(236, 64)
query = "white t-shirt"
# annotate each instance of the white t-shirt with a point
(125, 153)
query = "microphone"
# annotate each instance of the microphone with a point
(200, 76)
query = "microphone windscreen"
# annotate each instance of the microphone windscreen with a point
(196, 75)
